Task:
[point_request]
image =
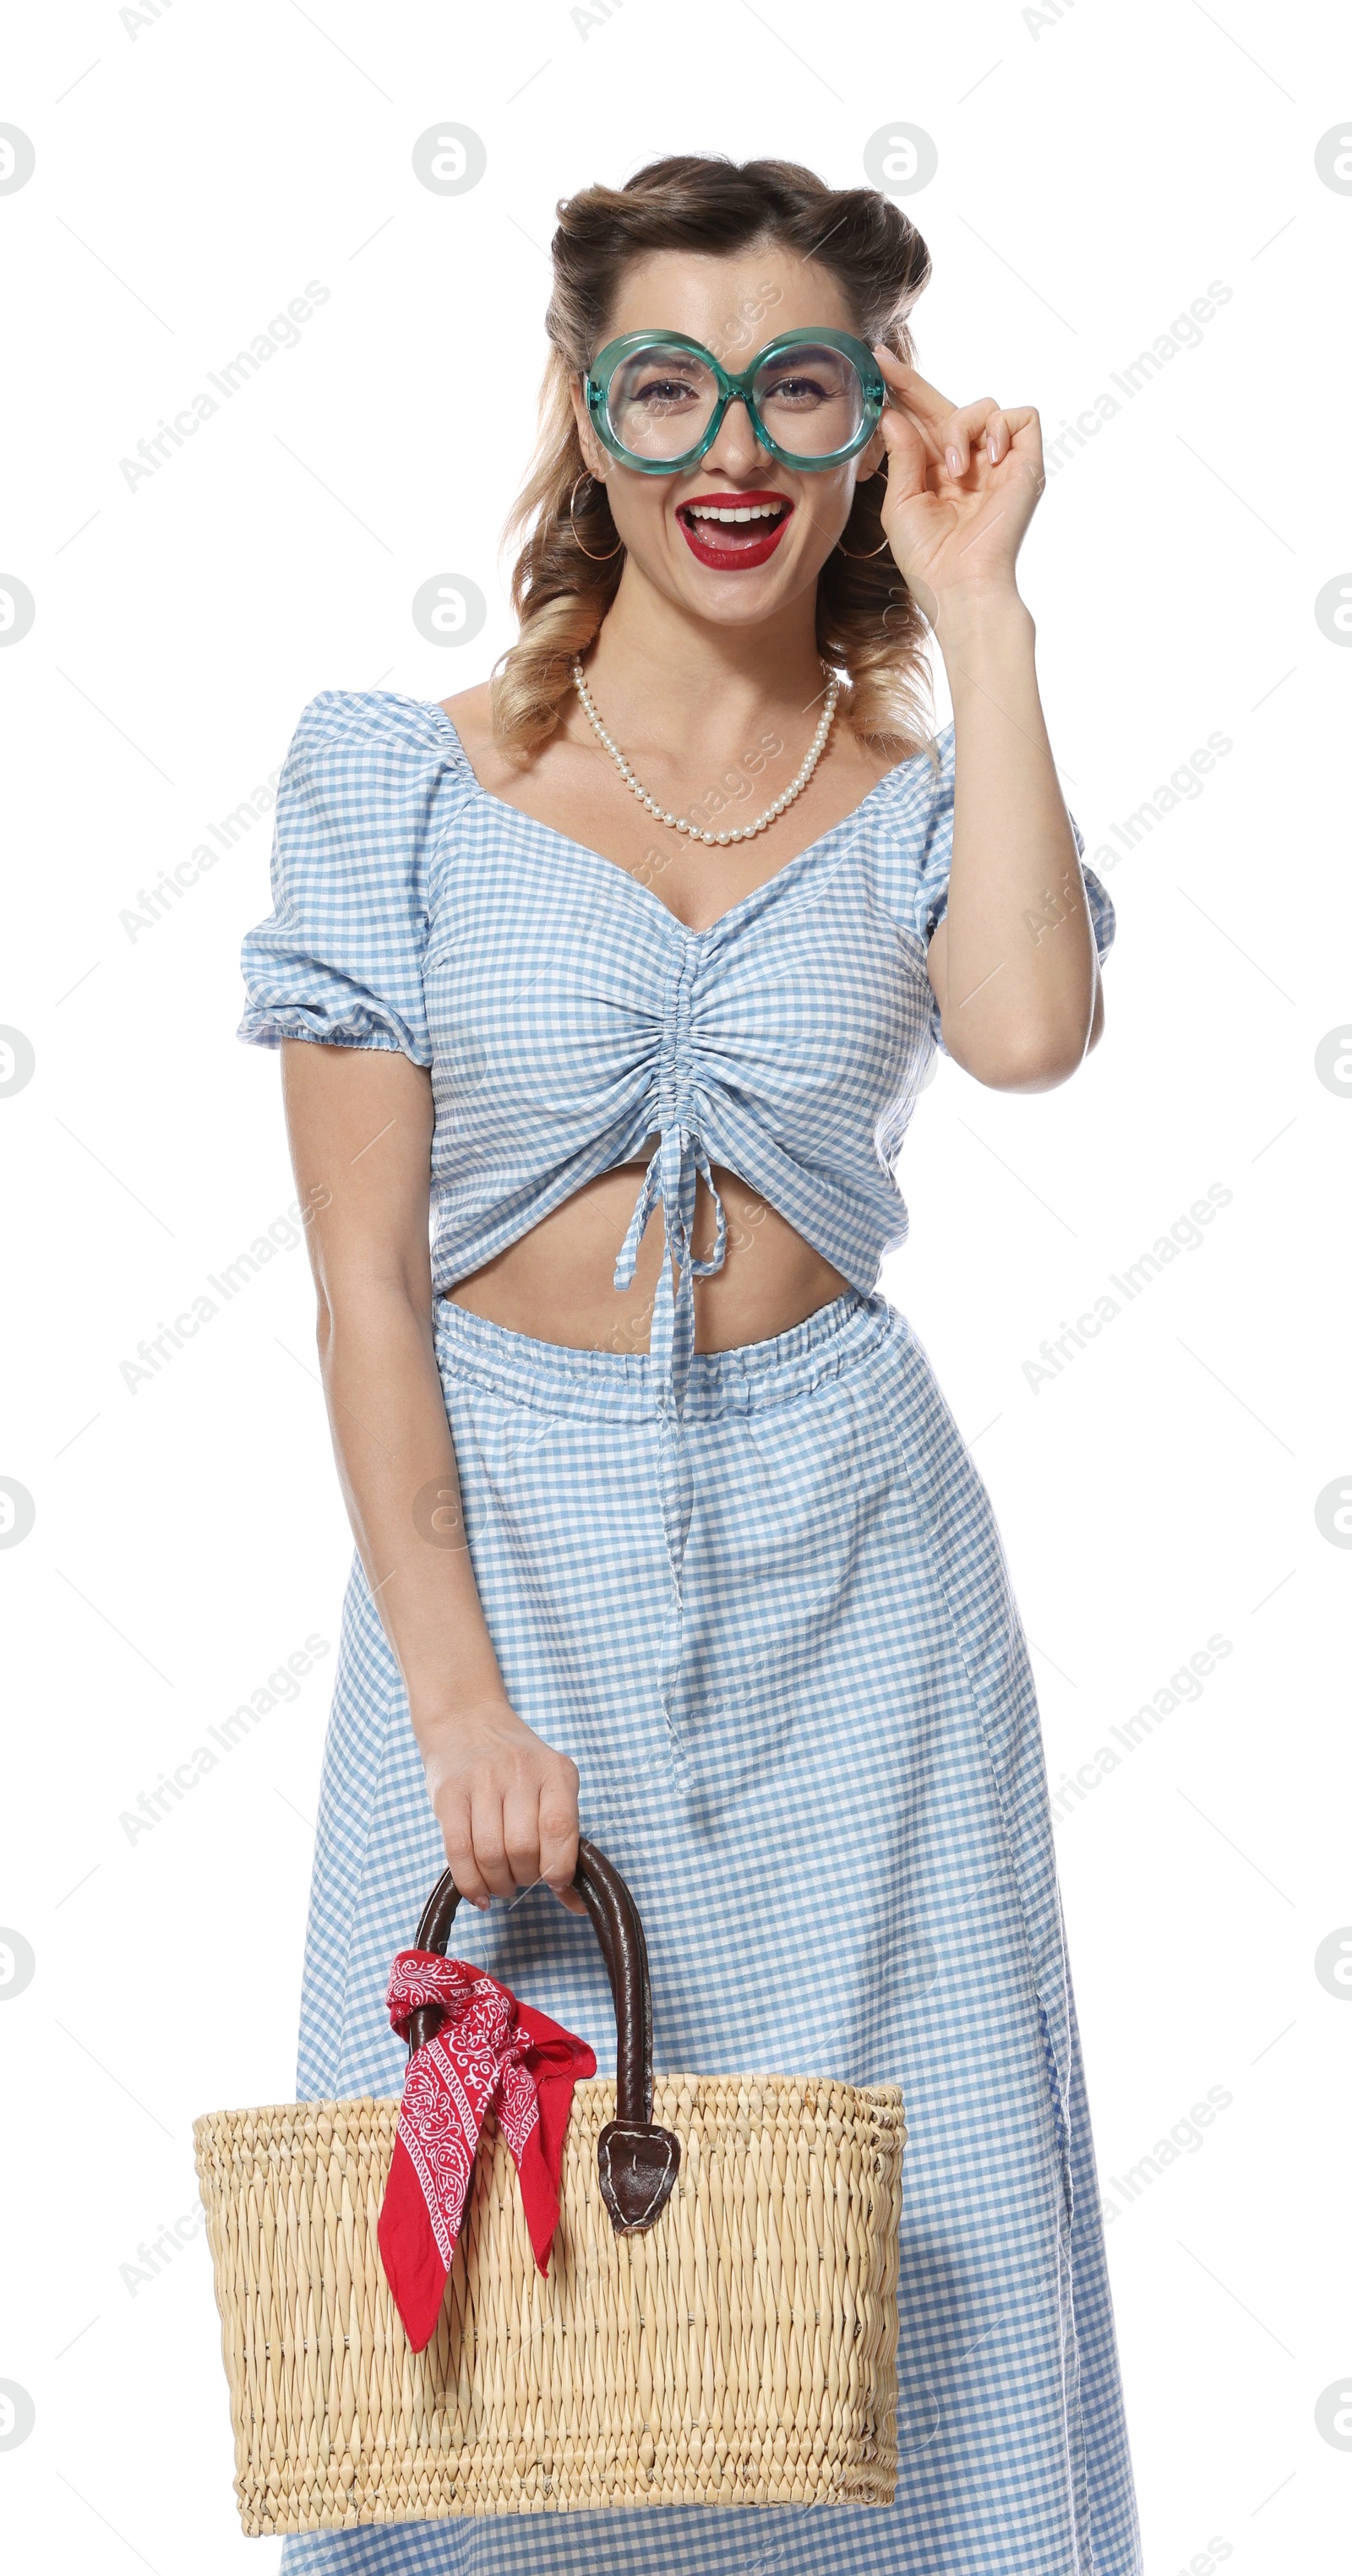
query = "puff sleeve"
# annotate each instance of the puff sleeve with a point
(339, 960)
(936, 860)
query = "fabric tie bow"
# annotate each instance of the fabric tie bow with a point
(677, 1166)
(490, 2049)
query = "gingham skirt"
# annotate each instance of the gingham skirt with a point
(836, 1827)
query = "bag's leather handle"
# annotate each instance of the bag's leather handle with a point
(637, 2161)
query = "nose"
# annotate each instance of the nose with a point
(736, 450)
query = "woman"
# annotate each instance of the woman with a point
(660, 1515)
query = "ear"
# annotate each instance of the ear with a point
(870, 458)
(594, 456)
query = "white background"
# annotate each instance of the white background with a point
(1097, 169)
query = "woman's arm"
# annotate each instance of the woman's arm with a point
(1013, 964)
(360, 1126)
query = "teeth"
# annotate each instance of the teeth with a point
(760, 510)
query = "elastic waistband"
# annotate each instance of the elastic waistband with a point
(620, 1384)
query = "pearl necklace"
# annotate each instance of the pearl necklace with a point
(747, 831)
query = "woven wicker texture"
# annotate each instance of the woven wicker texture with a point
(742, 2351)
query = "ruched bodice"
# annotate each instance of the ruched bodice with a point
(567, 1016)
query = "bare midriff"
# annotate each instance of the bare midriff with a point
(557, 1283)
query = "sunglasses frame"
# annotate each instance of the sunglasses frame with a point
(597, 382)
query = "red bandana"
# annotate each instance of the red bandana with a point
(489, 2049)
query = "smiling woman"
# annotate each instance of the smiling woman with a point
(719, 1583)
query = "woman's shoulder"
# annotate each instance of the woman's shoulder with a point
(470, 715)
(354, 728)
(910, 794)
(371, 789)
(927, 766)
(907, 832)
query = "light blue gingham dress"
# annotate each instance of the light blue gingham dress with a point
(759, 1596)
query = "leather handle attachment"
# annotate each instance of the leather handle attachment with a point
(637, 2161)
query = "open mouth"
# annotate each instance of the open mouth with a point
(732, 531)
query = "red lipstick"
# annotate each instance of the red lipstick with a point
(728, 545)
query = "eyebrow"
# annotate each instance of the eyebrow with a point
(673, 360)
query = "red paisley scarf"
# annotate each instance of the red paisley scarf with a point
(490, 2049)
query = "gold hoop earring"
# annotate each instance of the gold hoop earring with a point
(865, 558)
(587, 476)
(873, 550)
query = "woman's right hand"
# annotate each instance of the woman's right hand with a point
(506, 1803)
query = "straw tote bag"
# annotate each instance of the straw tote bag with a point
(718, 2324)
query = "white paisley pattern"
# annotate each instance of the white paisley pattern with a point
(474, 2061)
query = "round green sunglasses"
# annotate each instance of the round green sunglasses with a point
(658, 400)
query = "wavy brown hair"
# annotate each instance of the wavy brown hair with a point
(868, 625)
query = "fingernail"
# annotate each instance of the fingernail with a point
(990, 449)
(953, 460)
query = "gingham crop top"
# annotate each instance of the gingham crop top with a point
(567, 1016)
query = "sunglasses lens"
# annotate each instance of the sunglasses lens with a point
(660, 401)
(811, 399)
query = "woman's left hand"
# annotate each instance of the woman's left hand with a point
(962, 485)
